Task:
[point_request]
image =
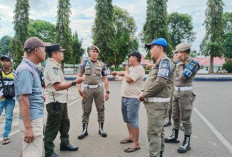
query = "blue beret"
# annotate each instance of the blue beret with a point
(159, 41)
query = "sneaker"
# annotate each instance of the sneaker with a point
(5, 140)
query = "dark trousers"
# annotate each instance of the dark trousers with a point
(57, 120)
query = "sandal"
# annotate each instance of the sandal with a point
(131, 149)
(5, 141)
(126, 140)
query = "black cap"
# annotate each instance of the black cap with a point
(8, 57)
(54, 48)
(136, 54)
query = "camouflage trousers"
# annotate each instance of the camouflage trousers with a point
(156, 114)
(182, 110)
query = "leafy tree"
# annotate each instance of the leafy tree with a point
(228, 66)
(227, 20)
(44, 30)
(227, 43)
(193, 53)
(156, 22)
(4, 44)
(212, 42)
(64, 35)
(78, 51)
(180, 28)
(124, 39)
(103, 30)
(21, 22)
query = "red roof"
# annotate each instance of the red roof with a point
(206, 61)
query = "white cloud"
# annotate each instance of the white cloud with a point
(6, 15)
(83, 14)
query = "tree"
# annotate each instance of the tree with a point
(4, 44)
(44, 30)
(78, 51)
(124, 40)
(180, 28)
(227, 21)
(156, 22)
(227, 43)
(212, 42)
(21, 22)
(64, 35)
(103, 30)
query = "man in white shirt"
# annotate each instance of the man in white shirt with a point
(131, 87)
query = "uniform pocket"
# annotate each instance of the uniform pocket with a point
(53, 109)
(98, 71)
(87, 71)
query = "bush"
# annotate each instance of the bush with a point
(120, 68)
(228, 66)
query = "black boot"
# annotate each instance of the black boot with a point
(101, 131)
(185, 146)
(161, 153)
(84, 132)
(68, 147)
(173, 138)
(168, 122)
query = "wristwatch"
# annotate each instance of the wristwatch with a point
(74, 83)
(108, 92)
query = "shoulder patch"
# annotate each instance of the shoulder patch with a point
(56, 71)
(164, 68)
(191, 68)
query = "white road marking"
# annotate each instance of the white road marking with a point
(215, 131)
(15, 124)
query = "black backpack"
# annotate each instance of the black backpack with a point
(7, 90)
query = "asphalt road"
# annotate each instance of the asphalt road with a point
(212, 129)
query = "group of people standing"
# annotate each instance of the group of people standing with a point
(168, 80)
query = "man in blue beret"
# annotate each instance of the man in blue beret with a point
(156, 95)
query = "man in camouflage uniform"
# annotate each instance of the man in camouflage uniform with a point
(156, 95)
(183, 96)
(93, 89)
(56, 103)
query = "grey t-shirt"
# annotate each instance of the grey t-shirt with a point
(27, 81)
(132, 90)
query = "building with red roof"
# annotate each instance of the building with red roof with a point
(205, 64)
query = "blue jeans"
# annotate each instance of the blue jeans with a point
(8, 104)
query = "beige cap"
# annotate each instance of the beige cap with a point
(32, 43)
(183, 47)
(93, 47)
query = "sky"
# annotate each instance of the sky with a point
(83, 14)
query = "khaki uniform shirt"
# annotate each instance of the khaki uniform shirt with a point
(159, 82)
(53, 74)
(93, 72)
(180, 79)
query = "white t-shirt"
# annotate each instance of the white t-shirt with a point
(132, 90)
